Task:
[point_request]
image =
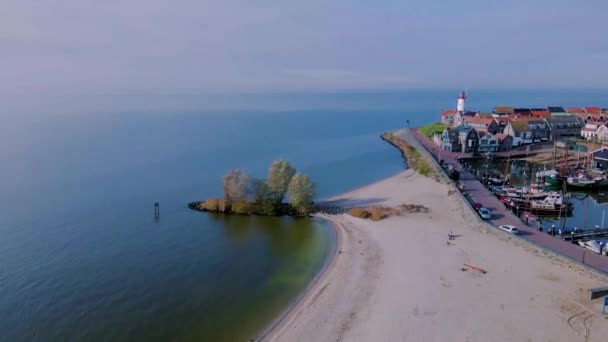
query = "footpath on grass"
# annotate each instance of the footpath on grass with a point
(501, 215)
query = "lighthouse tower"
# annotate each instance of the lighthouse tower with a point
(460, 105)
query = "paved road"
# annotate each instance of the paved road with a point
(502, 215)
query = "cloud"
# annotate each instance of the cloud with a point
(156, 46)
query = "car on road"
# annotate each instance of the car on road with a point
(510, 229)
(484, 213)
(477, 206)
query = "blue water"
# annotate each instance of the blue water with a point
(82, 258)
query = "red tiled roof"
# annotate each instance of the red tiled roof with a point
(589, 129)
(593, 110)
(449, 112)
(477, 120)
(541, 113)
(575, 110)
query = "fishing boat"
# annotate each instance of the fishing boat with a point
(550, 178)
(584, 181)
(534, 191)
(542, 207)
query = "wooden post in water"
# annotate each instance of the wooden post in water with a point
(156, 210)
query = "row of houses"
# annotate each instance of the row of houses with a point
(467, 139)
(523, 125)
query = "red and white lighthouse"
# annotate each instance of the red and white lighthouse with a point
(460, 105)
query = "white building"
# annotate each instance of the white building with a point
(589, 131)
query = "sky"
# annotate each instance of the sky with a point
(74, 49)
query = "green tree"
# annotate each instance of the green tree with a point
(279, 176)
(301, 193)
(234, 185)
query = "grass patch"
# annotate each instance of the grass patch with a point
(431, 129)
(415, 160)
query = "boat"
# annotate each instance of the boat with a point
(531, 220)
(535, 191)
(592, 245)
(550, 178)
(585, 182)
(542, 207)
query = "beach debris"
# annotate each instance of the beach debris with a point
(476, 268)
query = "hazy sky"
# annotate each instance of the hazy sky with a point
(69, 47)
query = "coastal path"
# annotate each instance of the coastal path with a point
(478, 193)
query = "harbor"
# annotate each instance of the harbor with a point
(463, 172)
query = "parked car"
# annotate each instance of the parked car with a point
(484, 213)
(510, 229)
(477, 206)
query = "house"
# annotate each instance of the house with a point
(527, 130)
(488, 142)
(540, 113)
(575, 110)
(588, 131)
(591, 118)
(522, 111)
(601, 134)
(460, 139)
(520, 132)
(566, 125)
(539, 128)
(556, 109)
(505, 142)
(484, 115)
(502, 123)
(593, 110)
(451, 118)
(600, 158)
(482, 124)
(503, 110)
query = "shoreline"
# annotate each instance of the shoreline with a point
(360, 294)
(290, 312)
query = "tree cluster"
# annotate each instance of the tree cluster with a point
(246, 195)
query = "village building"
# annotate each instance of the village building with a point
(503, 110)
(522, 111)
(557, 110)
(600, 158)
(601, 134)
(451, 118)
(502, 123)
(482, 124)
(589, 131)
(520, 132)
(540, 113)
(460, 139)
(488, 142)
(566, 125)
(505, 142)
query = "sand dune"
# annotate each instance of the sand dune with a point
(398, 280)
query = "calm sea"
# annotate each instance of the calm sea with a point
(82, 257)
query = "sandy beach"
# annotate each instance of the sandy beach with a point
(398, 279)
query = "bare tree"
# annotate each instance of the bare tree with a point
(301, 193)
(279, 176)
(234, 185)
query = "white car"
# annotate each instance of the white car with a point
(484, 213)
(510, 229)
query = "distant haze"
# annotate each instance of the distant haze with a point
(56, 53)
